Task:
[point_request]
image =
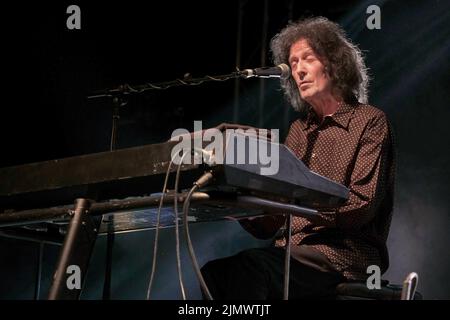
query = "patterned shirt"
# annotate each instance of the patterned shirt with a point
(354, 147)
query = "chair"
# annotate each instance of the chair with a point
(359, 291)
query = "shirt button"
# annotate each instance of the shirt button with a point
(313, 155)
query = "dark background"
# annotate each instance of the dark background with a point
(48, 71)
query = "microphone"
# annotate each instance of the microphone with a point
(280, 71)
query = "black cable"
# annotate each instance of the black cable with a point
(127, 89)
(178, 82)
(202, 181)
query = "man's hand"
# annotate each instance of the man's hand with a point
(224, 126)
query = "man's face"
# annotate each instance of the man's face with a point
(309, 72)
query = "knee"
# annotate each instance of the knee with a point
(250, 255)
(213, 269)
(207, 267)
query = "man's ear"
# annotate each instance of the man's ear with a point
(327, 69)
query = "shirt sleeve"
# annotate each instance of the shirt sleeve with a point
(370, 178)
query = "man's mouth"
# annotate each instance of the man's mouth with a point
(304, 83)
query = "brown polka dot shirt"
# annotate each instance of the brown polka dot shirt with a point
(354, 147)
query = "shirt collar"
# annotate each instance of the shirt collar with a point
(342, 116)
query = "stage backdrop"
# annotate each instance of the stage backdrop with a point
(50, 70)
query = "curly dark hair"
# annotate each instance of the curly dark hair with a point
(343, 60)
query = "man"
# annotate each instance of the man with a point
(340, 138)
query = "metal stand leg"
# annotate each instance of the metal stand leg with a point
(37, 289)
(287, 258)
(409, 286)
(110, 237)
(117, 102)
(75, 253)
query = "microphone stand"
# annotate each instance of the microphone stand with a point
(118, 95)
(126, 89)
(110, 236)
(117, 103)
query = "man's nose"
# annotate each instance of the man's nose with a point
(300, 70)
(302, 75)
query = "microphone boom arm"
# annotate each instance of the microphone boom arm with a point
(126, 89)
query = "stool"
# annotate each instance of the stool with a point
(358, 290)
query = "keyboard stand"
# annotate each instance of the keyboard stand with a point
(75, 253)
(84, 225)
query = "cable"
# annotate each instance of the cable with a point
(178, 82)
(202, 181)
(126, 89)
(155, 243)
(177, 234)
(155, 246)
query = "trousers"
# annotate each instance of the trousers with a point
(258, 274)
